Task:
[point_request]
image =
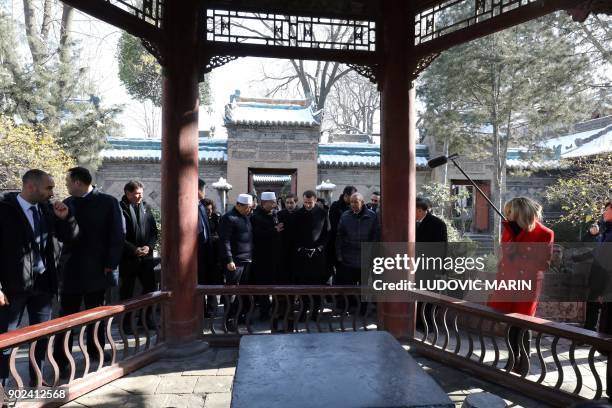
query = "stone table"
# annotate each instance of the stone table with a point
(362, 369)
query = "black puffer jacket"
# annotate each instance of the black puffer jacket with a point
(17, 246)
(235, 238)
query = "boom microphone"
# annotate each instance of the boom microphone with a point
(442, 160)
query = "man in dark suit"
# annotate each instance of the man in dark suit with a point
(337, 208)
(310, 234)
(30, 231)
(431, 238)
(140, 238)
(208, 272)
(267, 261)
(89, 263)
(429, 228)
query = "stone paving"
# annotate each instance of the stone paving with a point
(202, 381)
(206, 381)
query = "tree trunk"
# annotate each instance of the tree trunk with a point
(64, 55)
(46, 22)
(34, 42)
(67, 14)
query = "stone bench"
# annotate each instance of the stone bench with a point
(352, 369)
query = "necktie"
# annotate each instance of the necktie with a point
(36, 217)
(39, 259)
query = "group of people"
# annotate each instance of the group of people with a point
(77, 248)
(305, 245)
(91, 241)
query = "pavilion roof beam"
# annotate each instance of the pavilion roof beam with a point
(113, 15)
(500, 22)
(336, 9)
(209, 49)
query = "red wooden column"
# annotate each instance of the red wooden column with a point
(179, 168)
(398, 146)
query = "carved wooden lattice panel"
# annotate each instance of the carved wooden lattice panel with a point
(454, 15)
(149, 11)
(232, 26)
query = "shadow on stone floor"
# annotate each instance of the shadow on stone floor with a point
(202, 380)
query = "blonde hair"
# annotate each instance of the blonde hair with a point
(524, 211)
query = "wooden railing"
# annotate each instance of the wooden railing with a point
(126, 352)
(564, 364)
(293, 309)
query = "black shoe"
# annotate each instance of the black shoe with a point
(231, 325)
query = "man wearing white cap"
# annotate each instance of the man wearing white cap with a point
(266, 245)
(236, 242)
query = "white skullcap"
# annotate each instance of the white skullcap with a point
(268, 195)
(245, 199)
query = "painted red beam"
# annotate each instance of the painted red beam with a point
(208, 49)
(501, 22)
(103, 10)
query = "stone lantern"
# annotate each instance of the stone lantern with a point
(222, 187)
(325, 190)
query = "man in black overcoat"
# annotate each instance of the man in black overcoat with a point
(31, 229)
(140, 239)
(209, 272)
(338, 207)
(431, 238)
(310, 233)
(89, 263)
(267, 244)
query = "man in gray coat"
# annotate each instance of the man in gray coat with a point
(357, 225)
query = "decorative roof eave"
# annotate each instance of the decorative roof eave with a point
(270, 123)
(156, 160)
(354, 165)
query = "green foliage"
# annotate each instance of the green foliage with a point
(157, 216)
(27, 147)
(139, 71)
(583, 189)
(441, 200)
(504, 89)
(46, 88)
(84, 135)
(567, 232)
(141, 74)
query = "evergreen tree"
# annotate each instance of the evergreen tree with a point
(141, 73)
(505, 90)
(44, 86)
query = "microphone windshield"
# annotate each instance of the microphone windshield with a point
(437, 161)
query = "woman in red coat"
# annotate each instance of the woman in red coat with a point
(526, 250)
